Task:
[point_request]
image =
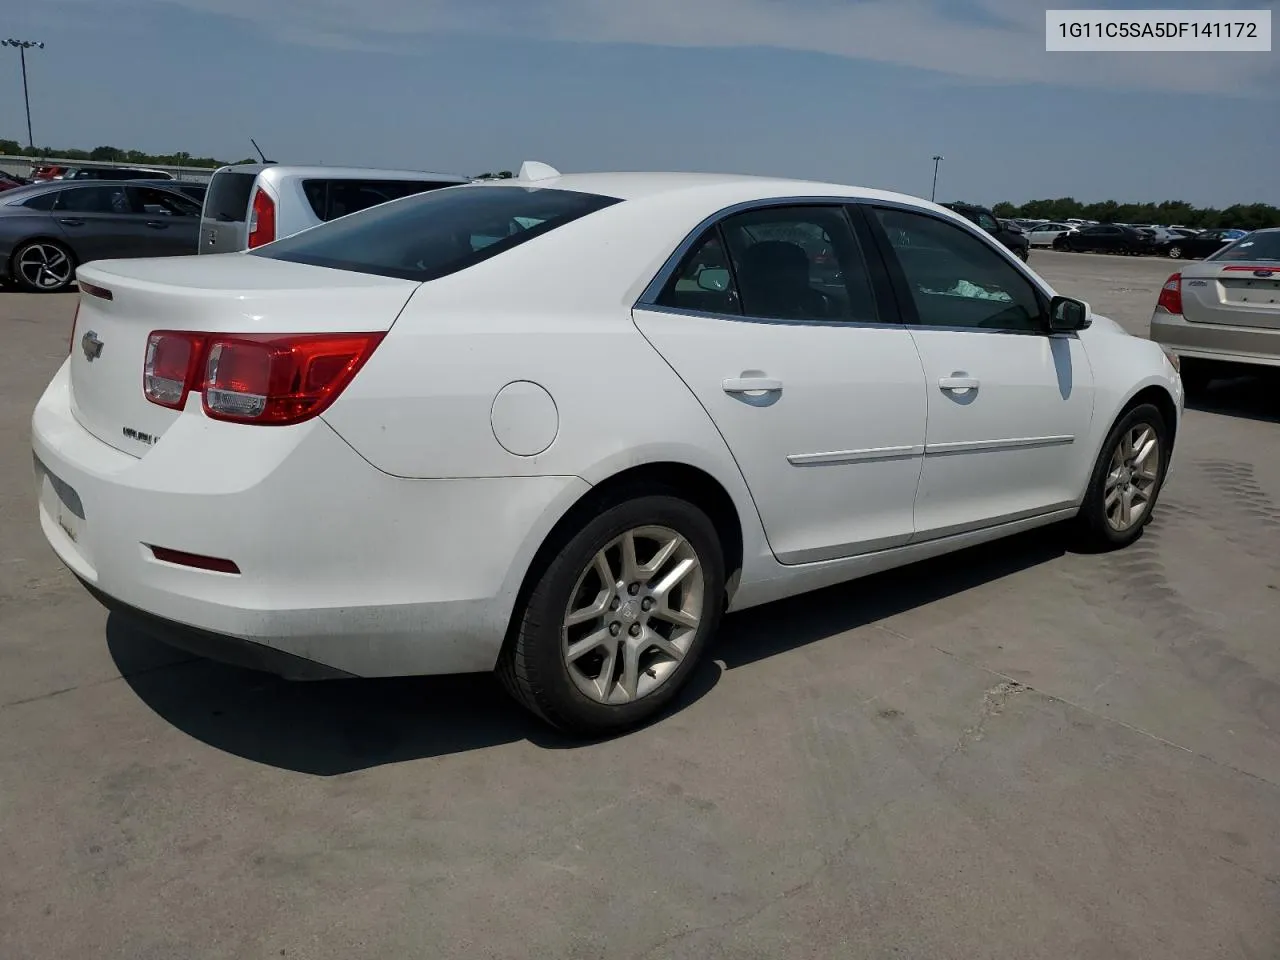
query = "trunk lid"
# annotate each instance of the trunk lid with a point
(229, 294)
(1239, 294)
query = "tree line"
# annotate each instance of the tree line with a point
(12, 148)
(1244, 216)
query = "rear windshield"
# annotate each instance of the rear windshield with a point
(228, 197)
(1253, 246)
(435, 234)
(331, 199)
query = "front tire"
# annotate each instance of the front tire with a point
(1175, 252)
(1126, 480)
(615, 623)
(43, 266)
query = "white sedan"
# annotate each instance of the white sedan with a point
(1043, 234)
(557, 426)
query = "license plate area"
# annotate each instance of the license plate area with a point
(1251, 290)
(61, 502)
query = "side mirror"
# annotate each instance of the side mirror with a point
(1067, 315)
(713, 279)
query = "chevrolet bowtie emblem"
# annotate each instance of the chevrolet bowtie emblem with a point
(91, 346)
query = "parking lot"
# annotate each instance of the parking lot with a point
(1017, 751)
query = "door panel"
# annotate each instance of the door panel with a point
(99, 222)
(825, 417)
(1008, 405)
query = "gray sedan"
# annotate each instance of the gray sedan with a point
(48, 229)
(1224, 310)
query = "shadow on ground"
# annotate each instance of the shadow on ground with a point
(333, 727)
(1252, 397)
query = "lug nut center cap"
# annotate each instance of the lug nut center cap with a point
(628, 610)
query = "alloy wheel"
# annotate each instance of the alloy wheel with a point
(44, 266)
(1132, 477)
(633, 615)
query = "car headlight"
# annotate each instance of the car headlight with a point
(1172, 357)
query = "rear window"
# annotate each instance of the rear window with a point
(228, 196)
(331, 199)
(438, 233)
(1253, 246)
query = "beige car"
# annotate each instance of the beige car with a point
(1224, 310)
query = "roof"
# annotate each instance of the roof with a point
(638, 186)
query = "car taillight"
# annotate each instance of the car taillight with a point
(171, 365)
(269, 379)
(1171, 294)
(262, 221)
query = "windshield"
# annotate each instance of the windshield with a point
(434, 234)
(1253, 246)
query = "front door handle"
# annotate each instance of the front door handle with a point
(71, 222)
(157, 225)
(752, 385)
(959, 384)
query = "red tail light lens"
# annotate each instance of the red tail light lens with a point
(262, 221)
(1171, 294)
(270, 379)
(172, 364)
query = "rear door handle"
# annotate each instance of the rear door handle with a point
(157, 225)
(959, 384)
(70, 222)
(752, 385)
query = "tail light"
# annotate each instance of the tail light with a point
(269, 379)
(1171, 294)
(262, 220)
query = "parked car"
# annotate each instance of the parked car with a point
(445, 362)
(1184, 232)
(1224, 312)
(251, 204)
(1201, 244)
(54, 172)
(47, 229)
(1016, 241)
(1105, 238)
(8, 181)
(1044, 234)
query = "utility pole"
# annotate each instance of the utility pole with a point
(933, 192)
(23, 46)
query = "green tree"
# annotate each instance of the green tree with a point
(106, 153)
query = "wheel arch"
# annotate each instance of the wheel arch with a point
(683, 480)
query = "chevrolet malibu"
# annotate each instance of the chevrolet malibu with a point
(556, 426)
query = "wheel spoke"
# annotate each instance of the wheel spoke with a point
(679, 617)
(1113, 495)
(630, 567)
(1126, 509)
(604, 680)
(629, 682)
(601, 564)
(596, 608)
(655, 563)
(666, 647)
(587, 644)
(677, 574)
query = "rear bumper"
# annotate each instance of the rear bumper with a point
(1215, 341)
(341, 564)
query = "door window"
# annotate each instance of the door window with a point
(704, 280)
(161, 203)
(986, 222)
(799, 263)
(957, 280)
(104, 199)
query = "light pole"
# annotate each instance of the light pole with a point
(933, 192)
(23, 46)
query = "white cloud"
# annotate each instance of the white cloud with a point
(1005, 44)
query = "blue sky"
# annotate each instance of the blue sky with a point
(857, 91)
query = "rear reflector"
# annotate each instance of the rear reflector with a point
(1171, 294)
(270, 379)
(95, 291)
(199, 561)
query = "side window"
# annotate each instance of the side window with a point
(799, 263)
(704, 280)
(957, 280)
(161, 203)
(42, 201)
(987, 222)
(105, 199)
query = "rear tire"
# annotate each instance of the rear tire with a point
(1126, 480)
(43, 266)
(1175, 252)
(603, 643)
